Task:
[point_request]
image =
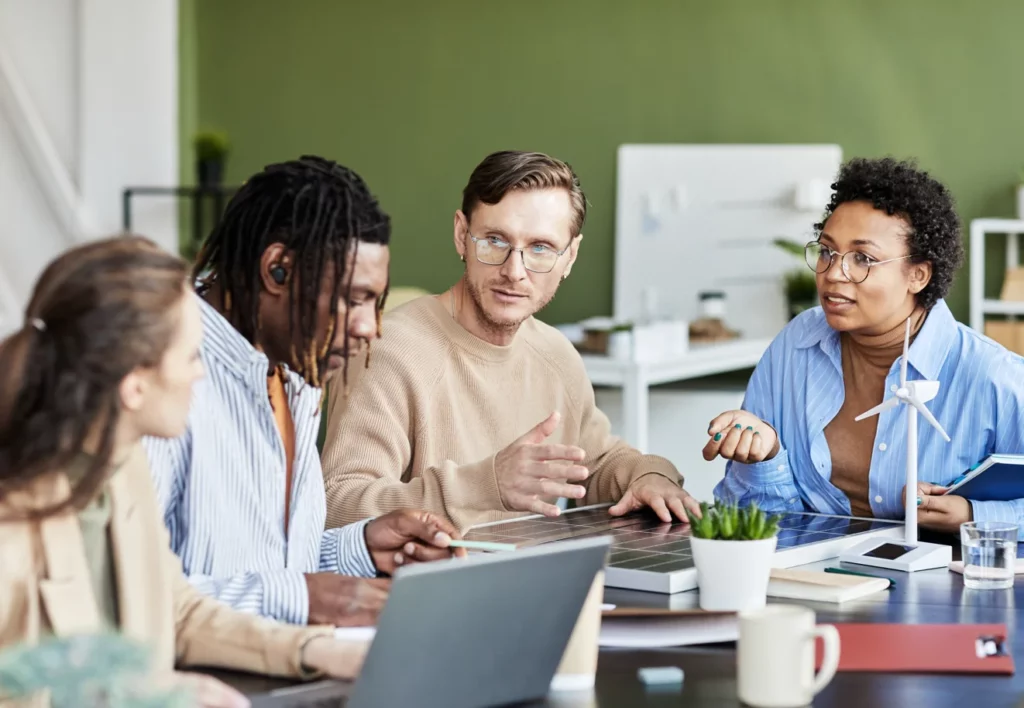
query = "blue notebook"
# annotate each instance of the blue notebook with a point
(996, 478)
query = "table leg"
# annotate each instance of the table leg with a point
(634, 409)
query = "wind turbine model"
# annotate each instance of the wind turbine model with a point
(910, 555)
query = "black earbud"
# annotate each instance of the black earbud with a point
(279, 274)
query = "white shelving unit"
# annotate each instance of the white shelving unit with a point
(980, 306)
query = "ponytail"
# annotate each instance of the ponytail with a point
(15, 352)
(97, 313)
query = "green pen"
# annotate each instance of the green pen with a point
(482, 545)
(844, 571)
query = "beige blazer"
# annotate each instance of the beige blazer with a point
(44, 582)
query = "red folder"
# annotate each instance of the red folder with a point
(923, 648)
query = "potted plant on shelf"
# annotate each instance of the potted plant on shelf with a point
(732, 552)
(211, 153)
(799, 284)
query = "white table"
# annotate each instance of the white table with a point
(636, 377)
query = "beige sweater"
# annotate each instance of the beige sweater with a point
(420, 428)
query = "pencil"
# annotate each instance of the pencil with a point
(482, 545)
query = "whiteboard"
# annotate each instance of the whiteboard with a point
(693, 218)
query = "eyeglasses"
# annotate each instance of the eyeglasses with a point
(537, 258)
(856, 265)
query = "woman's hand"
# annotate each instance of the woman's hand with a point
(337, 659)
(741, 436)
(938, 511)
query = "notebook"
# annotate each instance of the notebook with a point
(996, 478)
(645, 628)
(1018, 569)
(923, 648)
(822, 587)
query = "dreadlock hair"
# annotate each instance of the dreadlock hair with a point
(318, 210)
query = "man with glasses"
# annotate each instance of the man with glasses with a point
(885, 255)
(476, 409)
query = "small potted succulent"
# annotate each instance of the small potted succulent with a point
(733, 550)
(211, 154)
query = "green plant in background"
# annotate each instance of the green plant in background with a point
(87, 671)
(211, 153)
(792, 247)
(211, 146)
(728, 522)
(799, 285)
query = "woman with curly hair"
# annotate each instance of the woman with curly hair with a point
(885, 253)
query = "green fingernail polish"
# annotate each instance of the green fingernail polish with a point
(718, 436)
(738, 426)
(920, 501)
(750, 427)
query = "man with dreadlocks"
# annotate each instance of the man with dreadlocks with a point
(291, 283)
(479, 411)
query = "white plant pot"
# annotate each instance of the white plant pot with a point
(733, 575)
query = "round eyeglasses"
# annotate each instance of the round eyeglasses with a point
(855, 265)
(538, 258)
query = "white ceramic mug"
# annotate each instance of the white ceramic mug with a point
(775, 656)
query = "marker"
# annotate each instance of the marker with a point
(843, 571)
(482, 545)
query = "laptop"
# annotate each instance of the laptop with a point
(487, 630)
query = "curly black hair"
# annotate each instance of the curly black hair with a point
(899, 188)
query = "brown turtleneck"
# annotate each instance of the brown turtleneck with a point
(866, 362)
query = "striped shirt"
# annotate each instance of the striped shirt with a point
(798, 388)
(222, 486)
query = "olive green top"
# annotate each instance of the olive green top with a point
(94, 520)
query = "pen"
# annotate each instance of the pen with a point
(482, 545)
(843, 571)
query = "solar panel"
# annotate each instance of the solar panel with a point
(648, 554)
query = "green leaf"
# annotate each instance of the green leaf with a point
(790, 246)
(727, 529)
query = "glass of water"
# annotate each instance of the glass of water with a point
(989, 551)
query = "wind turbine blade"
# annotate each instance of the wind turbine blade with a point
(928, 415)
(903, 361)
(883, 406)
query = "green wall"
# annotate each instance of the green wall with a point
(413, 94)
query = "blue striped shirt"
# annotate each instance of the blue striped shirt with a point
(222, 487)
(798, 388)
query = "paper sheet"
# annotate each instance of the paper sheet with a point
(355, 634)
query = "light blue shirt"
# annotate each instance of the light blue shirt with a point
(798, 389)
(222, 486)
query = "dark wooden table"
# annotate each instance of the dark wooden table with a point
(936, 596)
